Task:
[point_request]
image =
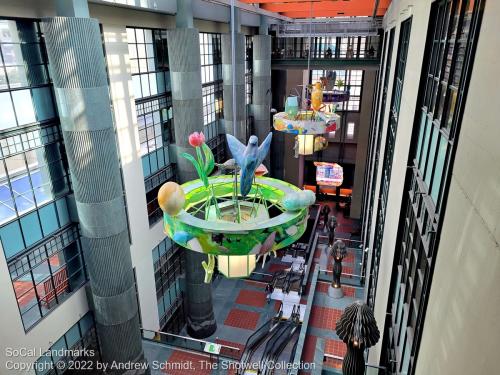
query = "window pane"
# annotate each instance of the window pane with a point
(12, 239)
(432, 155)
(7, 116)
(420, 135)
(31, 228)
(48, 218)
(425, 144)
(17, 76)
(44, 106)
(23, 106)
(438, 173)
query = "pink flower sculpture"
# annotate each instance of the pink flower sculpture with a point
(196, 139)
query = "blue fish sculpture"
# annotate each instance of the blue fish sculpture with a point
(248, 157)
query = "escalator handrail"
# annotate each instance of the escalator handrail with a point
(272, 341)
(278, 343)
(258, 337)
(279, 347)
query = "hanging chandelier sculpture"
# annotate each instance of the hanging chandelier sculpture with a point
(313, 120)
(238, 217)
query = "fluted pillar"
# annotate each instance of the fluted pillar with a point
(185, 75)
(75, 53)
(261, 97)
(239, 122)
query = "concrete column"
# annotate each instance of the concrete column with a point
(238, 123)
(261, 97)
(185, 74)
(76, 57)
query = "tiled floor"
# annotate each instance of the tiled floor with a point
(324, 317)
(335, 347)
(251, 298)
(182, 363)
(242, 319)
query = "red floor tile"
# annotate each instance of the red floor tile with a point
(349, 258)
(251, 298)
(349, 291)
(181, 363)
(277, 305)
(242, 319)
(335, 347)
(322, 287)
(324, 317)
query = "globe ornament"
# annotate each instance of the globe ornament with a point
(358, 329)
(171, 198)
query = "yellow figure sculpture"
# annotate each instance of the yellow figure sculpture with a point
(317, 96)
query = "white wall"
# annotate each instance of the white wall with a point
(144, 239)
(397, 13)
(462, 325)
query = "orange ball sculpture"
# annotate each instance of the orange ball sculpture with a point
(171, 198)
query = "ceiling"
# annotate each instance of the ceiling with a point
(323, 8)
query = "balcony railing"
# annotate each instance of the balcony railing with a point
(351, 48)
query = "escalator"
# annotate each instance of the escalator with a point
(255, 344)
(279, 349)
(271, 342)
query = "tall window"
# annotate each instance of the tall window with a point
(40, 243)
(168, 268)
(352, 81)
(148, 55)
(448, 59)
(211, 82)
(390, 142)
(389, 37)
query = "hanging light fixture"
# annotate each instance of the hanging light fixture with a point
(236, 265)
(306, 144)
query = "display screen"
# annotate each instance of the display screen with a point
(329, 174)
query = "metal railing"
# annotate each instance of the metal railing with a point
(369, 369)
(358, 48)
(190, 344)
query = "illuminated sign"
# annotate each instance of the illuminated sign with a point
(329, 174)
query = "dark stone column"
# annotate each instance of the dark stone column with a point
(185, 73)
(76, 57)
